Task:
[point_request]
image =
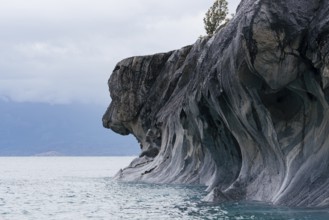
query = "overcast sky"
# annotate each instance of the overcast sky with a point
(63, 51)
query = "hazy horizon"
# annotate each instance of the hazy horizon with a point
(61, 54)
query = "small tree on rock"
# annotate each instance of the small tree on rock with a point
(215, 16)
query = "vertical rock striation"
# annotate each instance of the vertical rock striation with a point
(244, 112)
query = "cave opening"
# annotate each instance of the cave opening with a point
(283, 105)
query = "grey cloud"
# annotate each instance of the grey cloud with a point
(64, 50)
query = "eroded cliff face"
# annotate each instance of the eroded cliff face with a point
(244, 112)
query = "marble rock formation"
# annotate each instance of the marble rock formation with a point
(244, 112)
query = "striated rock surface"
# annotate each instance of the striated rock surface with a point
(244, 112)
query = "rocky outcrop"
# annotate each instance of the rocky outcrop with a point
(244, 112)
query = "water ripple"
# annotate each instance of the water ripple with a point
(78, 195)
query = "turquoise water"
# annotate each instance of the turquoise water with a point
(82, 188)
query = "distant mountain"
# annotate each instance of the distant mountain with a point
(73, 130)
(49, 154)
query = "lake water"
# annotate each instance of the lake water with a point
(82, 188)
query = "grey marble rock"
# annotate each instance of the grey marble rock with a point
(244, 112)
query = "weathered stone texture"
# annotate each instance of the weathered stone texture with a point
(244, 112)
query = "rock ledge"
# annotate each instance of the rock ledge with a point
(244, 112)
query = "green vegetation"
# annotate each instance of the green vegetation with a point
(215, 16)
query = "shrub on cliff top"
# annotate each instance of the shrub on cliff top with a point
(215, 16)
